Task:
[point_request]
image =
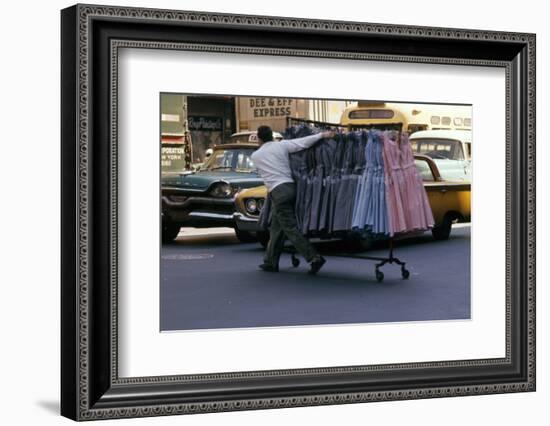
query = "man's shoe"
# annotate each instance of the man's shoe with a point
(267, 267)
(316, 264)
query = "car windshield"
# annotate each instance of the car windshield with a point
(438, 149)
(237, 160)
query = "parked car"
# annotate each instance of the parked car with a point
(451, 150)
(206, 197)
(250, 137)
(449, 200)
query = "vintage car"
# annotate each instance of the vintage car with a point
(206, 197)
(451, 151)
(246, 137)
(250, 137)
(449, 199)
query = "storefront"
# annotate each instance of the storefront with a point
(190, 125)
(211, 121)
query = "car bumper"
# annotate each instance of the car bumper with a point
(199, 211)
(245, 223)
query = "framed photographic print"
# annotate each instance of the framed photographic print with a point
(263, 212)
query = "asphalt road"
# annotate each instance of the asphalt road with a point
(209, 280)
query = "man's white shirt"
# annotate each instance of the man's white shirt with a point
(272, 160)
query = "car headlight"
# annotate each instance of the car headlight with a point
(251, 206)
(222, 190)
(260, 203)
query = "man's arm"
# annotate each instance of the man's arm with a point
(294, 145)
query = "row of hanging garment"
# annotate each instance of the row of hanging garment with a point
(390, 198)
(359, 181)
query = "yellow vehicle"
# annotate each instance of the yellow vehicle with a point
(405, 117)
(449, 200)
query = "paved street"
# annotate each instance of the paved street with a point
(210, 280)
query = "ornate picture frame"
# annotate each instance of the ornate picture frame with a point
(91, 39)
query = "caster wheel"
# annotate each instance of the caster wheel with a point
(295, 262)
(379, 276)
(405, 273)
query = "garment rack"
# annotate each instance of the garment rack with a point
(381, 261)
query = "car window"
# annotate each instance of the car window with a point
(424, 169)
(439, 149)
(230, 159)
(220, 159)
(416, 127)
(244, 162)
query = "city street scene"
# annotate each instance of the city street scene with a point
(293, 212)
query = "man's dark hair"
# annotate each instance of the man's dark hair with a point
(265, 134)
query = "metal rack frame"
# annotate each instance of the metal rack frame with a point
(382, 261)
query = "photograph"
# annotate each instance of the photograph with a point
(279, 211)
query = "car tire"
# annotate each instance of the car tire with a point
(245, 236)
(263, 238)
(443, 231)
(170, 232)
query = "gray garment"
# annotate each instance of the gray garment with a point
(341, 203)
(272, 161)
(325, 205)
(284, 226)
(328, 152)
(316, 192)
(343, 191)
(317, 187)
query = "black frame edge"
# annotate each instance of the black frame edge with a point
(69, 189)
(521, 237)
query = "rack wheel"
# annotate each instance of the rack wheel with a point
(295, 261)
(405, 273)
(379, 275)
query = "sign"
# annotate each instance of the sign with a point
(270, 107)
(256, 111)
(173, 118)
(197, 123)
(172, 157)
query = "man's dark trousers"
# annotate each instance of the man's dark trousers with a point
(283, 225)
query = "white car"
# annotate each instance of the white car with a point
(451, 150)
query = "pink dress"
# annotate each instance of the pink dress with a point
(418, 212)
(395, 186)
